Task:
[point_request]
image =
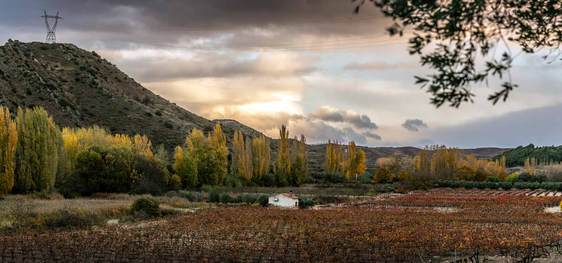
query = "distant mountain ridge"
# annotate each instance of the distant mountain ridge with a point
(80, 88)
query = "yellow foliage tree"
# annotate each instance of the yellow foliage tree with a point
(261, 155)
(333, 158)
(217, 140)
(283, 163)
(241, 159)
(8, 144)
(38, 151)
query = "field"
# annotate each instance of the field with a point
(438, 225)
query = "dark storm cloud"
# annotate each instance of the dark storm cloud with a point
(372, 135)
(540, 126)
(251, 22)
(357, 120)
(414, 125)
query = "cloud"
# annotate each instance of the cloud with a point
(414, 125)
(540, 126)
(164, 65)
(372, 135)
(329, 114)
(379, 66)
(206, 24)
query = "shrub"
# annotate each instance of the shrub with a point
(214, 196)
(146, 207)
(493, 178)
(514, 177)
(225, 198)
(263, 200)
(175, 182)
(153, 176)
(70, 219)
(305, 203)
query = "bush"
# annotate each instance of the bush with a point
(146, 207)
(334, 178)
(214, 196)
(263, 200)
(225, 198)
(514, 177)
(493, 178)
(175, 182)
(268, 180)
(305, 203)
(70, 219)
(153, 176)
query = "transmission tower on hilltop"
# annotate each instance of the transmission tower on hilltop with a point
(51, 37)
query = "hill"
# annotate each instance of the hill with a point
(80, 88)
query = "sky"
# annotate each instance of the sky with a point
(312, 65)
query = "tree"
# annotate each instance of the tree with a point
(185, 167)
(8, 144)
(217, 140)
(241, 158)
(205, 158)
(444, 162)
(333, 158)
(283, 163)
(449, 36)
(37, 153)
(355, 162)
(143, 146)
(261, 155)
(300, 168)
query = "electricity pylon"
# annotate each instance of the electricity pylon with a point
(51, 37)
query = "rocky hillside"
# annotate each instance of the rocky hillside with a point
(79, 88)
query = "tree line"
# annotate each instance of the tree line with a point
(346, 162)
(37, 156)
(438, 163)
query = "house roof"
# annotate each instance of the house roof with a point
(289, 195)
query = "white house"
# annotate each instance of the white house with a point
(284, 200)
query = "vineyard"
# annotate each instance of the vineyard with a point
(436, 225)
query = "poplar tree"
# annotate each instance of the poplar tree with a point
(333, 159)
(205, 158)
(261, 155)
(8, 144)
(185, 167)
(217, 140)
(300, 169)
(283, 164)
(422, 164)
(37, 153)
(142, 146)
(351, 161)
(248, 156)
(241, 159)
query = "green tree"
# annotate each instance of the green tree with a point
(38, 151)
(8, 144)
(185, 167)
(205, 158)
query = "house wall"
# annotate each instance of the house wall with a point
(283, 201)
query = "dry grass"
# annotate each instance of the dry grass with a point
(29, 212)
